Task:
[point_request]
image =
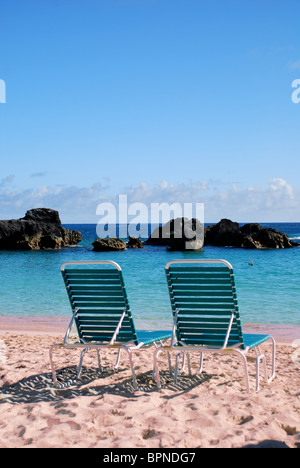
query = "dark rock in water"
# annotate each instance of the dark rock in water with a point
(39, 229)
(224, 233)
(113, 243)
(249, 236)
(134, 243)
(179, 234)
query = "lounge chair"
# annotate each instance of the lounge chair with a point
(206, 315)
(101, 313)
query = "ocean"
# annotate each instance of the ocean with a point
(268, 288)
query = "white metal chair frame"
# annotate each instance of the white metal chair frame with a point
(129, 346)
(184, 349)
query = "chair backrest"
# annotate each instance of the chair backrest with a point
(97, 290)
(203, 297)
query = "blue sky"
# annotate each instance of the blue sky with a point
(161, 100)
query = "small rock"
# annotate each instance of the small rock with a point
(114, 243)
(134, 243)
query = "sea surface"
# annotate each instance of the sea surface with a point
(268, 281)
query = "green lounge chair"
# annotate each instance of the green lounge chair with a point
(206, 315)
(101, 313)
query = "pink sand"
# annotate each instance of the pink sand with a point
(212, 410)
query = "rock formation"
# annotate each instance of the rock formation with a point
(102, 245)
(179, 234)
(39, 229)
(249, 236)
(134, 243)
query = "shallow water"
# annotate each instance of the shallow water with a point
(268, 291)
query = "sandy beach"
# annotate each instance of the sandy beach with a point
(211, 410)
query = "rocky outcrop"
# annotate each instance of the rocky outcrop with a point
(134, 243)
(39, 229)
(249, 236)
(224, 233)
(103, 245)
(179, 234)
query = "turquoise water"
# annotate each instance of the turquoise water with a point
(268, 291)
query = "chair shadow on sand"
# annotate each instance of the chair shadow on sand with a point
(39, 387)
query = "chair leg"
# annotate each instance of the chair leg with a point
(273, 359)
(183, 362)
(189, 364)
(118, 360)
(170, 364)
(262, 357)
(99, 361)
(52, 364)
(176, 367)
(244, 359)
(155, 366)
(201, 364)
(80, 363)
(135, 384)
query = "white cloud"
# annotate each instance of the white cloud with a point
(281, 186)
(277, 200)
(75, 204)
(166, 192)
